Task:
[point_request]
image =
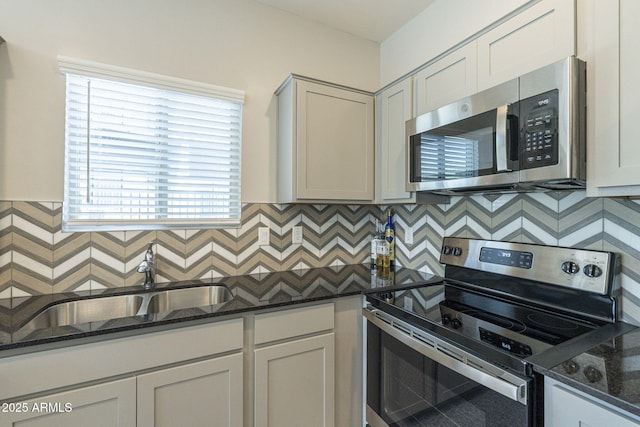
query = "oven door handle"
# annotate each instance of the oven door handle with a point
(468, 365)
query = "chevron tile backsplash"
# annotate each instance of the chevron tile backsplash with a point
(36, 257)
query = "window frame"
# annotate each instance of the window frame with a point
(89, 69)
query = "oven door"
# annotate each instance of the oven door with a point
(467, 144)
(414, 378)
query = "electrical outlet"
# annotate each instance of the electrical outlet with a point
(263, 236)
(408, 236)
(296, 235)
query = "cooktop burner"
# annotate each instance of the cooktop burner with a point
(552, 322)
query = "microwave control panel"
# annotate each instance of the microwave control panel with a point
(539, 130)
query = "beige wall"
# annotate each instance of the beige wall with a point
(429, 34)
(240, 44)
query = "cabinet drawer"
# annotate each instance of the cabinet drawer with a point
(291, 323)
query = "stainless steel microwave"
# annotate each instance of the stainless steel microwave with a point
(526, 133)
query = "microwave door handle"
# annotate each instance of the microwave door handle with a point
(501, 139)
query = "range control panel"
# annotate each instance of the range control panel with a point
(505, 343)
(575, 268)
(519, 259)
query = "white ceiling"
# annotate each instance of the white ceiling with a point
(371, 19)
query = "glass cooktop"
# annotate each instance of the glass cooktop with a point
(513, 328)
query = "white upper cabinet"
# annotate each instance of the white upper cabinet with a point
(394, 106)
(540, 35)
(326, 131)
(610, 34)
(537, 36)
(441, 82)
(447, 80)
(325, 143)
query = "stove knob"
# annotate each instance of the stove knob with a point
(571, 367)
(570, 267)
(592, 374)
(456, 324)
(447, 250)
(446, 319)
(592, 270)
(457, 251)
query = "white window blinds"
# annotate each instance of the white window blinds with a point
(143, 151)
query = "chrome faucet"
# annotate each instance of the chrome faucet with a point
(148, 267)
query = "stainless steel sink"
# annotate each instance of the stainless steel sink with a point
(115, 307)
(87, 310)
(177, 299)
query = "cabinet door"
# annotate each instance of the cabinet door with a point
(393, 109)
(198, 394)
(538, 36)
(349, 361)
(111, 404)
(447, 80)
(335, 143)
(613, 67)
(294, 383)
(565, 408)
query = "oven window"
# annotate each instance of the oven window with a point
(415, 391)
(459, 150)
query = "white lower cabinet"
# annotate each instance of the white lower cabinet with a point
(198, 394)
(204, 393)
(294, 383)
(349, 361)
(273, 369)
(178, 377)
(294, 363)
(566, 407)
(111, 404)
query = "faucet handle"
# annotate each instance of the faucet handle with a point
(149, 254)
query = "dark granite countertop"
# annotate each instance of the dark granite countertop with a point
(250, 293)
(604, 364)
(613, 350)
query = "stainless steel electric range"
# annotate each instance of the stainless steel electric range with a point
(456, 352)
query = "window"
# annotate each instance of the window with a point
(144, 151)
